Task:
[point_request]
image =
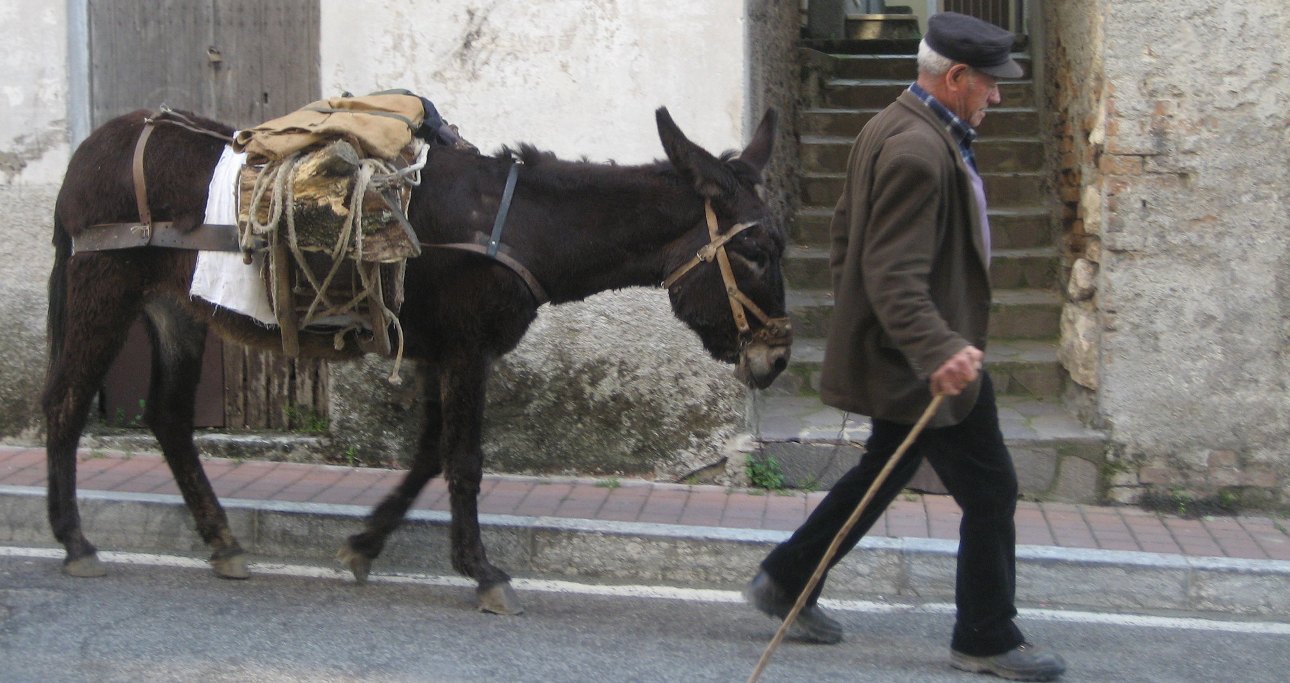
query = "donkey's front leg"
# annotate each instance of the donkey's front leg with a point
(362, 548)
(463, 412)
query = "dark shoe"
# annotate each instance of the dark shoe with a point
(1025, 662)
(811, 625)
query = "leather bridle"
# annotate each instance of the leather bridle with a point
(774, 331)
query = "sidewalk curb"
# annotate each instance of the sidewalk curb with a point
(688, 556)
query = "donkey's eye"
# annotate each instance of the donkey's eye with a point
(752, 255)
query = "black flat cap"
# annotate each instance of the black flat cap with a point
(979, 44)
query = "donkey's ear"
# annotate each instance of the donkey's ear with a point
(711, 178)
(757, 153)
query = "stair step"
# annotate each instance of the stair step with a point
(829, 154)
(1035, 267)
(890, 66)
(847, 122)
(1021, 367)
(1056, 457)
(1001, 189)
(807, 267)
(1010, 228)
(1025, 314)
(1014, 313)
(1022, 227)
(874, 93)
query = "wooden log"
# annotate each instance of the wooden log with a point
(319, 185)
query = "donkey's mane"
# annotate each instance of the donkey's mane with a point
(553, 173)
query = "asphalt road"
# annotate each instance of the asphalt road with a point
(156, 618)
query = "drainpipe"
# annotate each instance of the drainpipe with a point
(78, 72)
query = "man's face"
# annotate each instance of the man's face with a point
(975, 92)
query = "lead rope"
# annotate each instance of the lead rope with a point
(842, 533)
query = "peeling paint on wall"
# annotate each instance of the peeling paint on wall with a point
(30, 147)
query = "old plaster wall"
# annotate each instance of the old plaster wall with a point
(1179, 314)
(614, 384)
(33, 154)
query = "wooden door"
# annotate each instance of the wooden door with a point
(241, 62)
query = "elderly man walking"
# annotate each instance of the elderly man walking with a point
(910, 265)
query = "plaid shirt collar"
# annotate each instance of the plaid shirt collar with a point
(958, 129)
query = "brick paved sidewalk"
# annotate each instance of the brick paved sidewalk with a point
(910, 516)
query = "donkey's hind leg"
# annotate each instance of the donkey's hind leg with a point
(178, 341)
(88, 326)
(362, 548)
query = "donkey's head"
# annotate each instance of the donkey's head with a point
(725, 280)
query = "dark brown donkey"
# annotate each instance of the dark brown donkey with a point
(579, 228)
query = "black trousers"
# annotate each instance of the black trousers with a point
(975, 466)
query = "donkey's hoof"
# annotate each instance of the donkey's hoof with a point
(499, 598)
(231, 567)
(85, 567)
(357, 563)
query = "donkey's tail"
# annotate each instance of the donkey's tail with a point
(55, 326)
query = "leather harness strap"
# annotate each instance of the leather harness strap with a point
(503, 255)
(773, 330)
(140, 180)
(145, 232)
(499, 223)
(491, 245)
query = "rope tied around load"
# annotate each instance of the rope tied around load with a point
(274, 191)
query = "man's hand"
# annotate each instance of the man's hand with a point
(957, 372)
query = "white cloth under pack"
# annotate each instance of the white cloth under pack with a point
(222, 277)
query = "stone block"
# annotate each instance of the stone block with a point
(931, 566)
(812, 466)
(1223, 458)
(1120, 164)
(20, 508)
(613, 556)
(1236, 586)
(1080, 344)
(1036, 468)
(1158, 476)
(1083, 281)
(304, 531)
(1077, 481)
(1102, 581)
(874, 567)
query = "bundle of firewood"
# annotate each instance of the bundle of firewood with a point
(330, 219)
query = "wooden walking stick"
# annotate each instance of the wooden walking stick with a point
(842, 533)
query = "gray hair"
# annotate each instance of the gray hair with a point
(930, 61)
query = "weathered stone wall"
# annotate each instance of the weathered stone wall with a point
(1180, 315)
(33, 153)
(775, 80)
(1075, 92)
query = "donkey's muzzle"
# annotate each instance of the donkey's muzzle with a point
(760, 363)
(766, 354)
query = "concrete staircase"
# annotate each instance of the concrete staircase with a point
(1057, 457)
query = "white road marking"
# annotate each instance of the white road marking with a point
(672, 593)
